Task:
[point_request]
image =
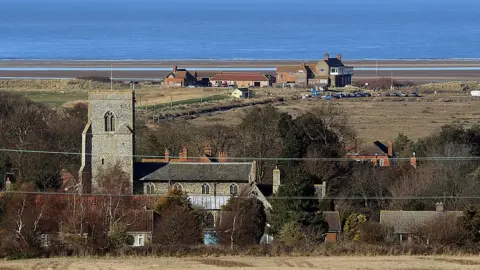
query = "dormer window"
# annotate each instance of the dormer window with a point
(109, 121)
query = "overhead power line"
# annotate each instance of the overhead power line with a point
(246, 197)
(437, 158)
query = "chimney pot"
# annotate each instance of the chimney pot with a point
(326, 56)
(175, 68)
(167, 155)
(439, 207)
(339, 56)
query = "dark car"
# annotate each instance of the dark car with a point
(387, 94)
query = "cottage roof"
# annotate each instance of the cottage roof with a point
(291, 68)
(333, 220)
(229, 171)
(334, 62)
(239, 76)
(407, 221)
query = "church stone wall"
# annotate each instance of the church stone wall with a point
(112, 147)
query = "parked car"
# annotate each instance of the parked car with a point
(403, 94)
(387, 94)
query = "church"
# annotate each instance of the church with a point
(109, 139)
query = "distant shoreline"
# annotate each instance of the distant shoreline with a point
(228, 63)
(447, 70)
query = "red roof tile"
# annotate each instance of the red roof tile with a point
(239, 76)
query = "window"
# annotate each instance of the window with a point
(233, 189)
(205, 188)
(109, 121)
(103, 161)
(150, 188)
(178, 187)
(381, 162)
(141, 240)
(209, 221)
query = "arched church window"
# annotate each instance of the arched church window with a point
(109, 121)
(178, 187)
(233, 189)
(150, 188)
(205, 188)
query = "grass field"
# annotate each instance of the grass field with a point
(331, 262)
(54, 99)
(373, 118)
(379, 118)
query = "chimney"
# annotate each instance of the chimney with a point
(222, 157)
(185, 152)
(175, 68)
(276, 180)
(166, 155)
(339, 56)
(390, 149)
(439, 207)
(324, 189)
(413, 160)
(326, 56)
(208, 151)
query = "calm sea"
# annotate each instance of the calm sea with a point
(238, 29)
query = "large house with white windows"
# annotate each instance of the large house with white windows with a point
(109, 139)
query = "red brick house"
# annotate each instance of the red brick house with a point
(328, 71)
(180, 78)
(240, 79)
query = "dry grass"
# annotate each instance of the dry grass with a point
(230, 262)
(380, 118)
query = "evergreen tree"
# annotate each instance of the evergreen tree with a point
(296, 202)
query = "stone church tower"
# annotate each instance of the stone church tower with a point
(108, 137)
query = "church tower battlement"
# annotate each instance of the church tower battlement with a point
(109, 136)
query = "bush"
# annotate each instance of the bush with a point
(374, 233)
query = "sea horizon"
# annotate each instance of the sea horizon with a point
(238, 30)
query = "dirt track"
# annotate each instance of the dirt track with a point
(347, 262)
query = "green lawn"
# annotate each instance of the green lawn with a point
(186, 102)
(54, 99)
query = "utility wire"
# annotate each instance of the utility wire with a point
(244, 197)
(352, 158)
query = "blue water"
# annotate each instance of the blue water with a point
(238, 29)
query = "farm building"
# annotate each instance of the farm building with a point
(329, 71)
(240, 79)
(180, 78)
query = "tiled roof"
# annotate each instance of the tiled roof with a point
(239, 76)
(291, 68)
(333, 220)
(229, 171)
(408, 221)
(334, 62)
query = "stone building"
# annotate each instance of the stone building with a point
(108, 137)
(210, 180)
